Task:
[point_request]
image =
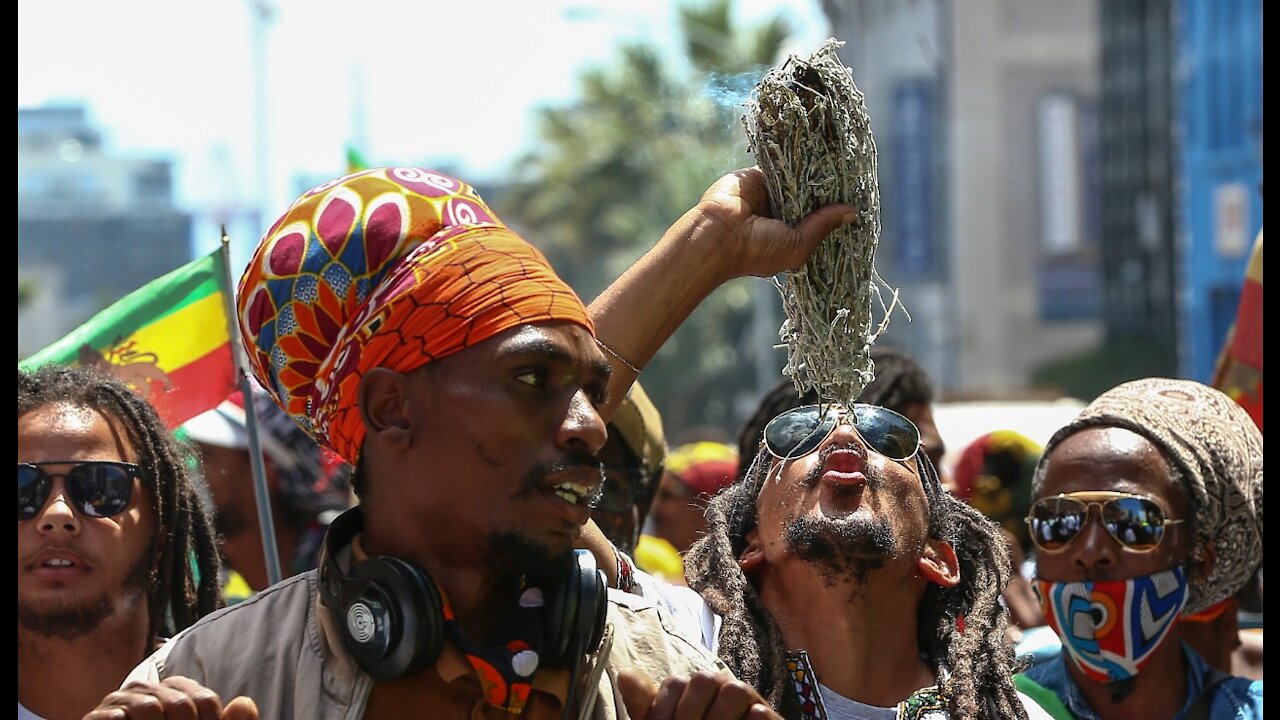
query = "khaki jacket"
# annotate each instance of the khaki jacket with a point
(280, 648)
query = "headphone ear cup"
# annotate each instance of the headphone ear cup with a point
(598, 601)
(558, 620)
(576, 612)
(413, 612)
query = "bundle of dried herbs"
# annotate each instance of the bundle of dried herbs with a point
(808, 128)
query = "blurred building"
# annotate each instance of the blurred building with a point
(92, 227)
(985, 116)
(1218, 143)
(1181, 128)
(1137, 183)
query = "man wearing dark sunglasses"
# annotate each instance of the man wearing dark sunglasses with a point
(1147, 507)
(114, 548)
(633, 459)
(850, 582)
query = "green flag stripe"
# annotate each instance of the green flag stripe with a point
(150, 303)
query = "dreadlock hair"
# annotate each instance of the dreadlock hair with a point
(185, 584)
(961, 628)
(899, 383)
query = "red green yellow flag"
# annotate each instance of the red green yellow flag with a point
(1239, 370)
(170, 340)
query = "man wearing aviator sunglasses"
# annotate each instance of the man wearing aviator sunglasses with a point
(114, 548)
(850, 583)
(1147, 507)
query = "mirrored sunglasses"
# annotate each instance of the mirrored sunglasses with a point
(1135, 521)
(798, 432)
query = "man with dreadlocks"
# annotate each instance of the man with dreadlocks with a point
(850, 583)
(903, 386)
(115, 548)
(1174, 470)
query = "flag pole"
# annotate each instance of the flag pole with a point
(260, 489)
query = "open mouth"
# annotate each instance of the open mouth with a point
(574, 493)
(842, 483)
(55, 563)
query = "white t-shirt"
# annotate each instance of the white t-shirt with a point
(839, 707)
(690, 616)
(25, 714)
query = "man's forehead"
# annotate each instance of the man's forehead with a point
(67, 424)
(568, 341)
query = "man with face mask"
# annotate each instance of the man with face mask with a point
(1147, 507)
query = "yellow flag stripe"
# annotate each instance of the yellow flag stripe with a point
(185, 336)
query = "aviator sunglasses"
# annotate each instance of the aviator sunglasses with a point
(1136, 522)
(97, 488)
(798, 432)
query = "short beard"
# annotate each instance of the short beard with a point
(852, 548)
(516, 557)
(63, 621)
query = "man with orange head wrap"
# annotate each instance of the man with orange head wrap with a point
(402, 324)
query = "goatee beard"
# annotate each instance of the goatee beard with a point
(844, 549)
(67, 621)
(517, 557)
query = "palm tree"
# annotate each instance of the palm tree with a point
(614, 168)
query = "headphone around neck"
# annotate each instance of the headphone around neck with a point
(391, 615)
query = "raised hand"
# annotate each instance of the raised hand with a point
(754, 243)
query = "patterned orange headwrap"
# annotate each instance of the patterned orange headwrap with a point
(390, 267)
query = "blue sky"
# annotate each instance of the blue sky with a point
(410, 82)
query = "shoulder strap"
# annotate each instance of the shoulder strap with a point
(1199, 709)
(1047, 699)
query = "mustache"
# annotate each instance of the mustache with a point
(85, 554)
(538, 474)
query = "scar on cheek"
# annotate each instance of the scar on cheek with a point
(485, 456)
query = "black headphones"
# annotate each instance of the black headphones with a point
(391, 617)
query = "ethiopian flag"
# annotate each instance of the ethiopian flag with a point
(170, 340)
(1239, 370)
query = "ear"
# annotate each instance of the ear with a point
(384, 407)
(752, 557)
(938, 564)
(1203, 561)
(161, 535)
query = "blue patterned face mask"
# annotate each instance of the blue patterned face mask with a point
(1112, 628)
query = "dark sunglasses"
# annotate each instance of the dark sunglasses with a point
(620, 490)
(798, 432)
(98, 488)
(1136, 522)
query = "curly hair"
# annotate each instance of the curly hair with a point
(185, 585)
(961, 628)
